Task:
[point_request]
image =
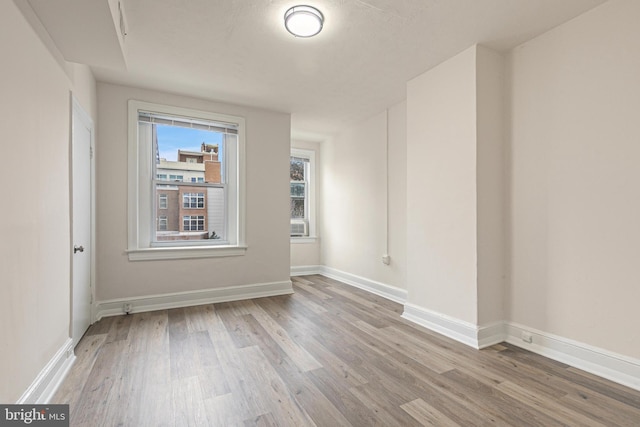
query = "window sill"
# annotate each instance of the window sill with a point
(185, 252)
(298, 240)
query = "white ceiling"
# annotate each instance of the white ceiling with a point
(239, 51)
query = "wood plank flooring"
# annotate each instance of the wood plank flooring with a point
(328, 355)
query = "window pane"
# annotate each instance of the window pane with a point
(184, 156)
(297, 169)
(298, 189)
(297, 208)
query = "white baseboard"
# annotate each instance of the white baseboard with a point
(490, 334)
(381, 289)
(467, 333)
(459, 330)
(305, 270)
(603, 363)
(49, 379)
(115, 307)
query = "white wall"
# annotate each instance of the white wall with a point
(354, 208)
(35, 223)
(574, 198)
(84, 88)
(491, 186)
(455, 187)
(397, 194)
(441, 188)
(267, 194)
(308, 253)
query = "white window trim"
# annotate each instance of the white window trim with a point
(197, 197)
(191, 218)
(295, 240)
(139, 195)
(162, 218)
(311, 155)
(163, 197)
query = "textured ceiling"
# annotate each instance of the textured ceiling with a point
(238, 50)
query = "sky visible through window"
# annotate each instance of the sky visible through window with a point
(174, 138)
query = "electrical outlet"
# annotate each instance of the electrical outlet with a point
(527, 337)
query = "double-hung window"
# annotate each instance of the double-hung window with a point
(163, 201)
(302, 208)
(162, 222)
(186, 183)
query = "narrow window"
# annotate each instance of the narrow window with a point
(302, 215)
(162, 202)
(162, 223)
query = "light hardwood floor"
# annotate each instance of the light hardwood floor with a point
(328, 355)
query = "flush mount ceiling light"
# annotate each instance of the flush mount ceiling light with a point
(303, 21)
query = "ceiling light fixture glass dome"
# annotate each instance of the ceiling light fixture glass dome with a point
(303, 21)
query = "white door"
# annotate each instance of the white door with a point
(82, 133)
